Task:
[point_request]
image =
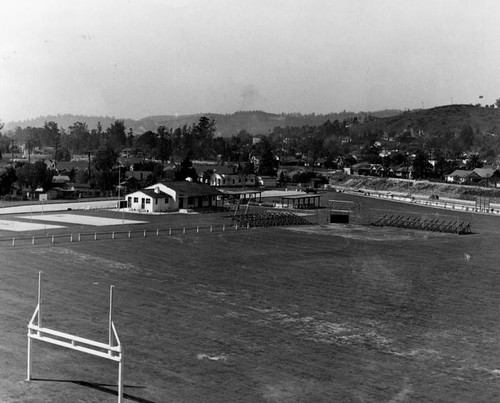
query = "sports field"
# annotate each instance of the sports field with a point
(298, 314)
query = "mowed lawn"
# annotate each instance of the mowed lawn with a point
(263, 315)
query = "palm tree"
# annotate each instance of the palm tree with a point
(474, 161)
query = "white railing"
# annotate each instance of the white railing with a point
(112, 351)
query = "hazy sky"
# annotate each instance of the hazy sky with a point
(147, 57)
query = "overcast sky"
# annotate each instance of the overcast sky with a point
(131, 59)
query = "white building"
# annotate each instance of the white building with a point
(173, 196)
(150, 200)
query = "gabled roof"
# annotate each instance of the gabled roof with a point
(153, 194)
(362, 165)
(460, 173)
(60, 179)
(486, 173)
(185, 188)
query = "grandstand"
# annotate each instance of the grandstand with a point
(269, 219)
(435, 222)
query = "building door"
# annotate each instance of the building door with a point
(181, 202)
(143, 203)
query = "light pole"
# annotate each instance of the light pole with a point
(119, 188)
(119, 180)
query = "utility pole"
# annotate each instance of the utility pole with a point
(12, 152)
(29, 151)
(88, 153)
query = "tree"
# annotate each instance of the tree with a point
(7, 179)
(50, 135)
(186, 170)
(473, 161)
(116, 137)
(268, 165)
(147, 142)
(203, 135)
(164, 144)
(497, 103)
(420, 165)
(104, 164)
(35, 175)
(79, 137)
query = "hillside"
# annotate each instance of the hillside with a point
(254, 122)
(427, 188)
(451, 118)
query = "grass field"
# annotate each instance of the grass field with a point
(304, 314)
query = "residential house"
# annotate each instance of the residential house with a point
(403, 171)
(487, 176)
(361, 168)
(462, 176)
(140, 176)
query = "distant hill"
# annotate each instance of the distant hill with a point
(254, 122)
(62, 120)
(451, 118)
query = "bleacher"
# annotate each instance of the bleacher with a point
(269, 219)
(423, 224)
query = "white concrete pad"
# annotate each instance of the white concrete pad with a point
(20, 226)
(84, 219)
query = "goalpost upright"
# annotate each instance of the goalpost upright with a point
(112, 351)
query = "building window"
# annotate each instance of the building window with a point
(156, 201)
(148, 201)
(136, 200)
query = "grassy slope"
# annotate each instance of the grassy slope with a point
(450, 118)
(416, 187)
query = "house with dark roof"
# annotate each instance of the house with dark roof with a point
(188, 195)
(361, 168)
(487, 176)
(461, 176)
(403, 171)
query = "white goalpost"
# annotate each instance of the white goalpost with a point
(112, 351)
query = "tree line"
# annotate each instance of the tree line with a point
(336, 143)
